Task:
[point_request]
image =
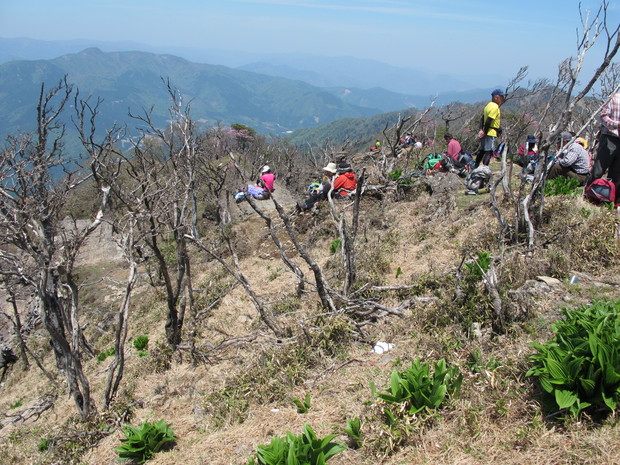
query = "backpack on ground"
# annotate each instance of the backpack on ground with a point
(601, 190)
(478, 178)
(429, 161)
(451, 166)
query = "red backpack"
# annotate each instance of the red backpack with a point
(601, 191)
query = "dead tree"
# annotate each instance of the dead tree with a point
(40, 250)
(116, 368)
(451, 113)
(348, 234)
(392, 135)
(158, 190)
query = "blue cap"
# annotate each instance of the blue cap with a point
(498, 92)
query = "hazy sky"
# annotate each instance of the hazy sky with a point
(452, 35)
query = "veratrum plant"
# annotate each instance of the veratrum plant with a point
(579, 368)
(354, 432)
(305, 449)
(303, 406)
(142, 443)
(562, 185)
(419, 390)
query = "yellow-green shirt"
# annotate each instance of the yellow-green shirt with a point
(492, 111)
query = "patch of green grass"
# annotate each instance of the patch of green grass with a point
(105, 354)
(141, 342)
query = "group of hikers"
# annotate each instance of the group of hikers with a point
(571, 159)
(339, 181)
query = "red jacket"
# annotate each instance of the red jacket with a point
(345, 183)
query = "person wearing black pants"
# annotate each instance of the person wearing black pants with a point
(608, 154)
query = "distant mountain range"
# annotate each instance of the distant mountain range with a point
(272, 98)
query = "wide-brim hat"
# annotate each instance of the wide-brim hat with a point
(331, 168)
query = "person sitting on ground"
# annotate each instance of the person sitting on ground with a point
(256, 191)
(571, 161)
(528, 152)
(376, 147)
(584, 143)
(460, 158)
(346, 181)
(321, 193)
(454, 147)
(267, 179)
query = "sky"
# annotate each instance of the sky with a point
(454, 36)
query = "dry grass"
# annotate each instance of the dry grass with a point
(496, 419)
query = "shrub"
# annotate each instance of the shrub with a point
(335, 246)
(43, 445)
(141, 342)
(105, 354)
(305, 449)
(579, 369)
(415, 389)
(142, 443)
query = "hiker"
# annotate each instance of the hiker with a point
(256, 191)
(571, 161)
(490, 127)
(267, 179)
(376, 147)
(346, 181)
(321, 192)
(454, 147)
(608, 154)
(528, 152)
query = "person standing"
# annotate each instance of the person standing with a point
(608, 154)
(490, 128)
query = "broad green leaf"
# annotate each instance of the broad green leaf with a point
(565, 398)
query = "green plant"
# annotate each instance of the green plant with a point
(480, 265)
(16, 404)
(43, 445)
(302, 406)
(354, 431)
(562, 185)
(416, 389)
(394, 175)
(579, 368)
(335, 246)
(105, 354)
(140, 444)
(141, 342)
(305, 449)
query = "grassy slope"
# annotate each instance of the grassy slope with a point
(497, 418)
